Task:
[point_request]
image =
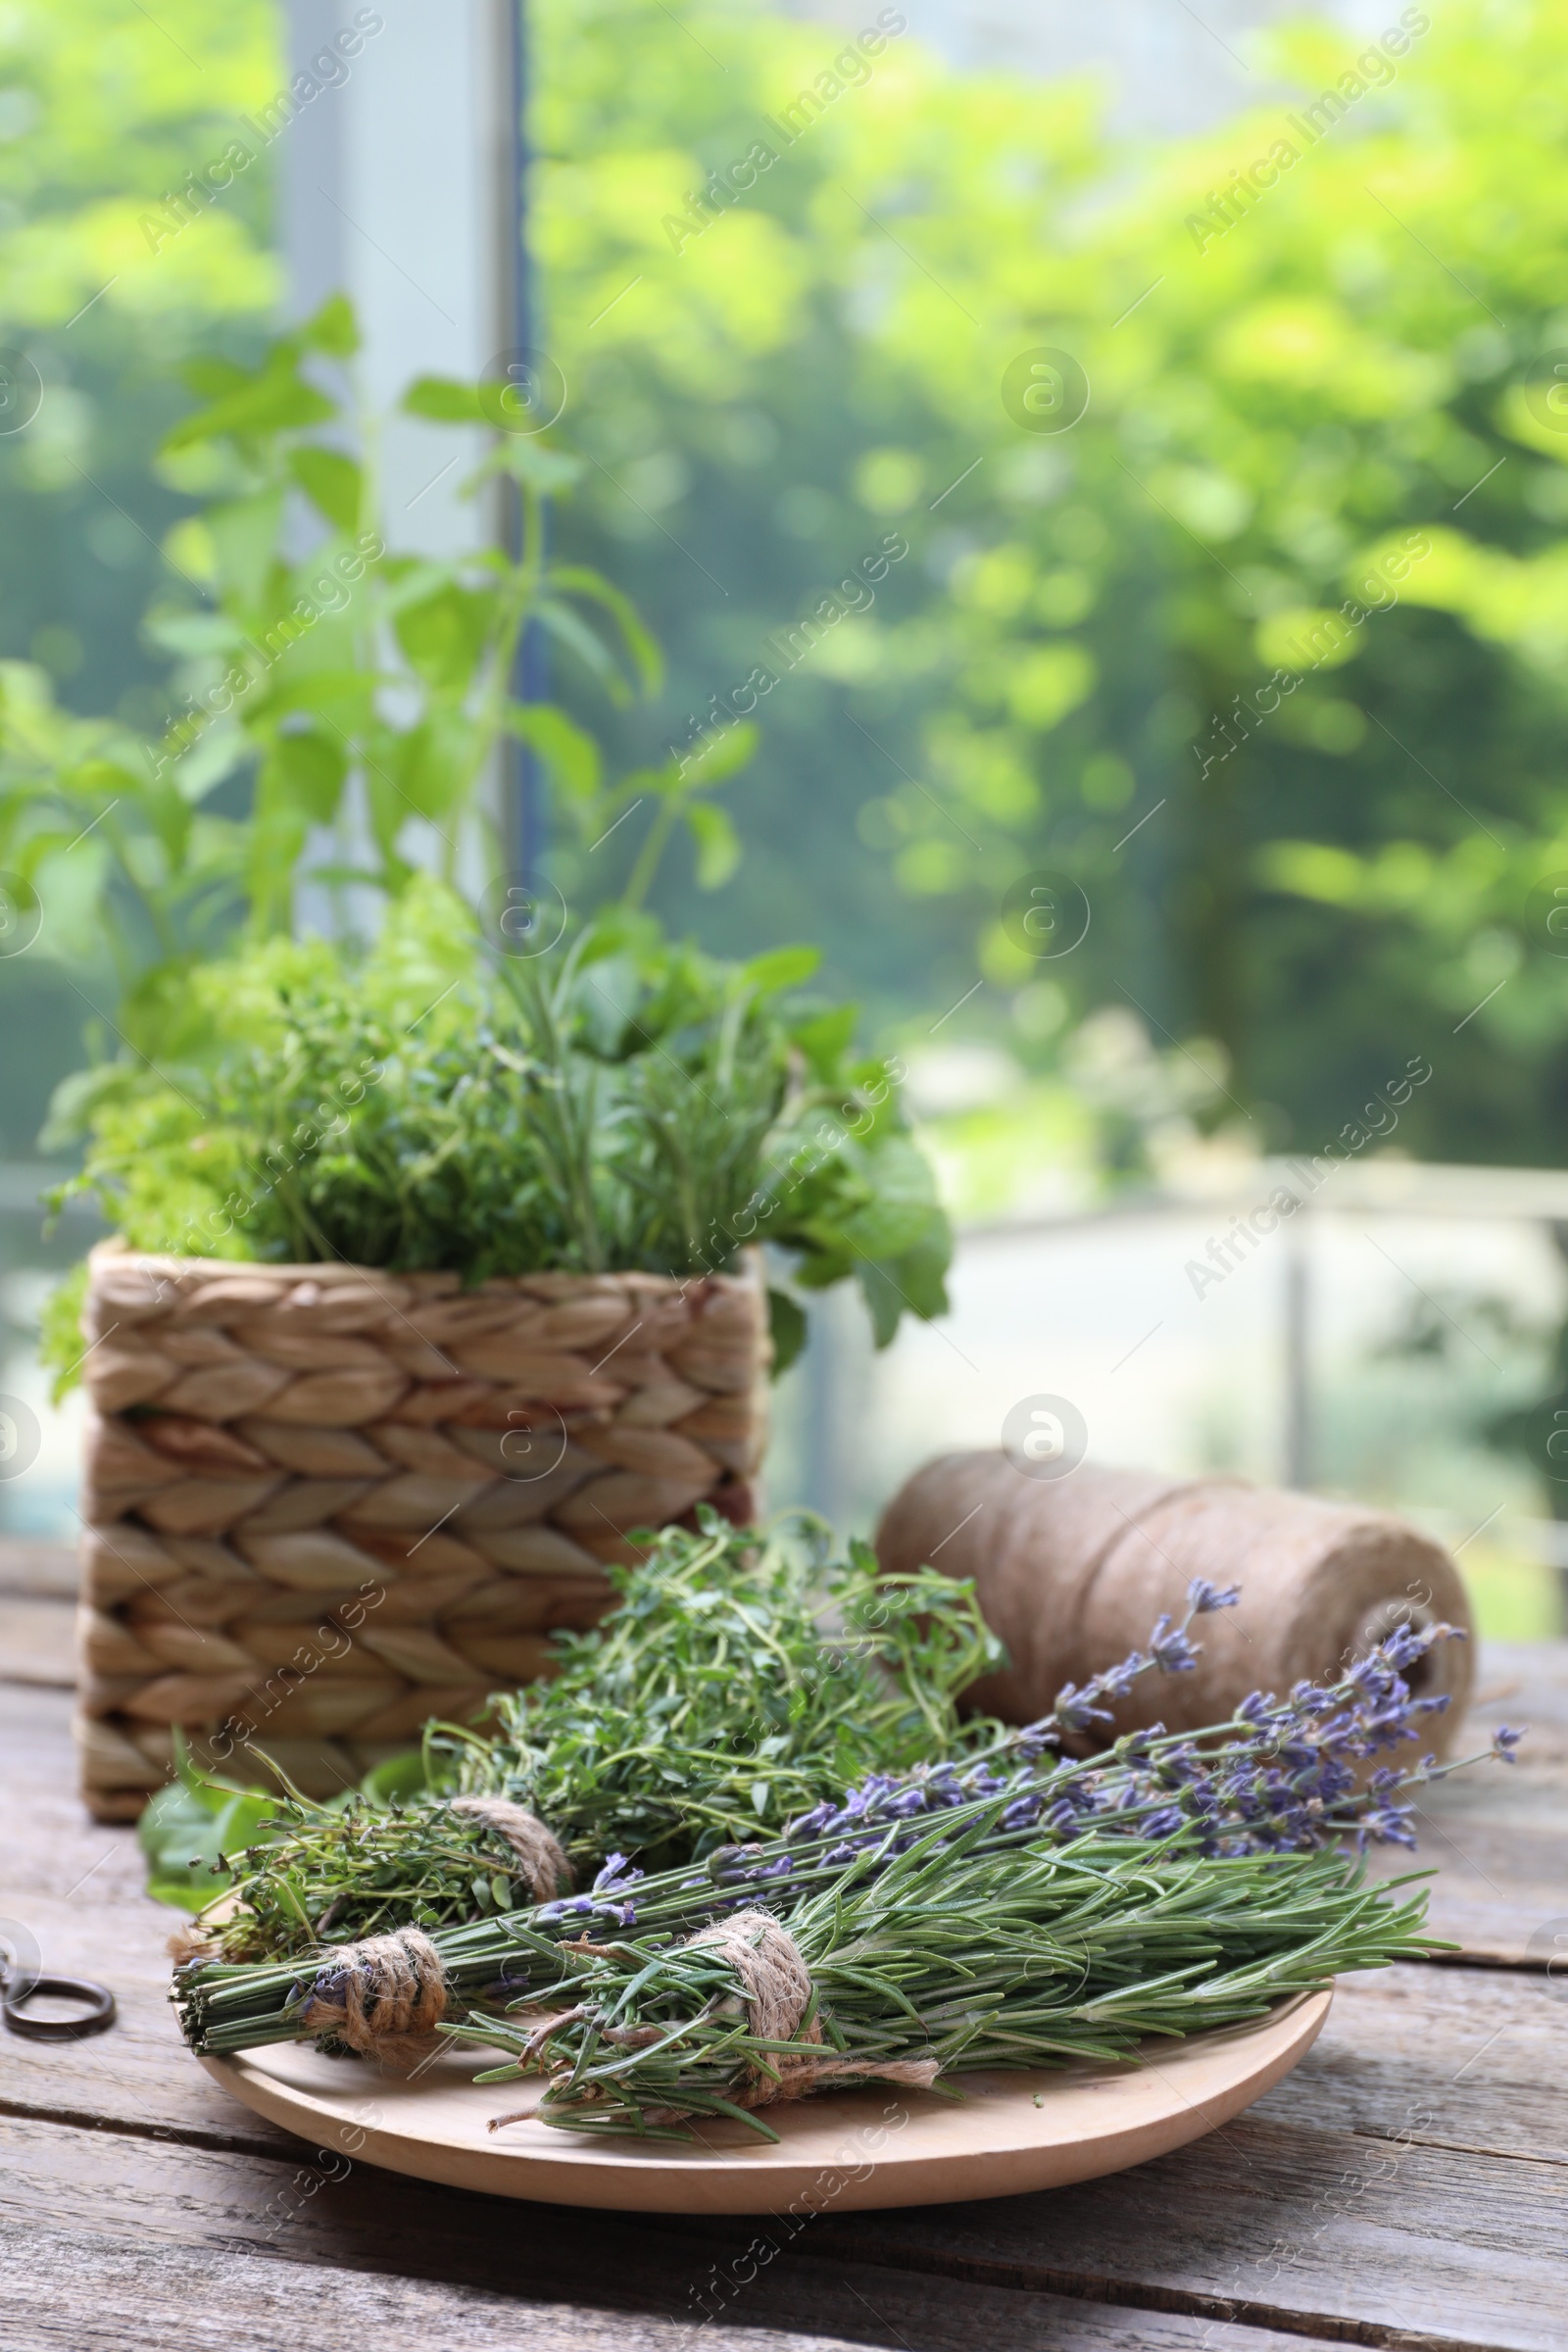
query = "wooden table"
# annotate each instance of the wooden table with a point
(1406, 2187)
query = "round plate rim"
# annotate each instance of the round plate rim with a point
(835, 2147)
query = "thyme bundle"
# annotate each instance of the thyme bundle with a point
(741, 1680)
(1281, 1777)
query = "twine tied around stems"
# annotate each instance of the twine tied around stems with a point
(384, 1996)
(537, 1849)
(777, 1988)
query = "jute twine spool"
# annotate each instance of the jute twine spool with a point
(1072, 1572)
(323, 1504)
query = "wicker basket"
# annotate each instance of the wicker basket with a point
(325, 1503)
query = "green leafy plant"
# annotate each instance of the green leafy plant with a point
(352, 695)
(622, 1103)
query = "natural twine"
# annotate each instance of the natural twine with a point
(778, 1987)
(544, 1864)
(384, 1996)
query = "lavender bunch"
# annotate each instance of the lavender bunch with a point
(1280, 1775)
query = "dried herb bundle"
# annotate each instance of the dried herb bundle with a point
(742, 1679)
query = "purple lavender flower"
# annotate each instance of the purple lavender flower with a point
(1404, 1646)
(1503, 1744)
(1170, 1648)
(1390, 1825)
(616, 1876)
(1075, 1709)
(1203, 1596)
(1166, 1823)
(811, 1824)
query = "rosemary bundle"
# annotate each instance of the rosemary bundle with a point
(1281, 1777)
(741, 1679)
(952, 1957)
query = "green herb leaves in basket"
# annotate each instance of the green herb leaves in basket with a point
(742, 1680)
(619, 1103)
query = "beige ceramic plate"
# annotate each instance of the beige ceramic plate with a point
(857, 2148)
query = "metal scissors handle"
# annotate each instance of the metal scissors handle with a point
(18, 1987)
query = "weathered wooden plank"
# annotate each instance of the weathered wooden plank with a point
(1427, 2113)
(29, 1564)
(86, 2294)
(1501, 1855)
(1368, 2238)
(1524, 1682)
(107, 2243)
(1406, 2187)
(76, 1887)
(38, 1640)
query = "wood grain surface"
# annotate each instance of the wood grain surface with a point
(1406, 2187)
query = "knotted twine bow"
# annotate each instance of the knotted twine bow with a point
(384, 1997)
(537, 1849)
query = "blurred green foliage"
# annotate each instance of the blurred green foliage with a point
(103, 111)
(356, 694)
(1083, 630)
(1273, 411)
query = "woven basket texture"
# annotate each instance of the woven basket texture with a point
(325, 1503)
